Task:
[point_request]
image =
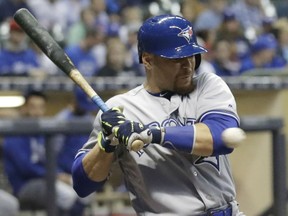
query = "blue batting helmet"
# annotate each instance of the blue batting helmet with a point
(169, 36)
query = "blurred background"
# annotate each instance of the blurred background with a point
(247, 42)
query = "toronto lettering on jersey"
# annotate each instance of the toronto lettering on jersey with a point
(177, 121)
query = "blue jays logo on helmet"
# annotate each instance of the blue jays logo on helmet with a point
(185, 33)
(168, 36)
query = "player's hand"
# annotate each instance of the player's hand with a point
(111, 118)
(130, 131)
(106, 144)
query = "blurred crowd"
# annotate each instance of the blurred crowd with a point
(100, 36)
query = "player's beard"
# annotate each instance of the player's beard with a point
(184, 88)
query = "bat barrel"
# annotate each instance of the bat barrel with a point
(43, 39)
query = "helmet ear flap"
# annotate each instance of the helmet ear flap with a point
(140, 51)
(197, 61)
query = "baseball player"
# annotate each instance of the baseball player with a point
(183, 168)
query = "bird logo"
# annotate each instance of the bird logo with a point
(185, 33)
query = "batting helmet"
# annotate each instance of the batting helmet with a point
(169, 36)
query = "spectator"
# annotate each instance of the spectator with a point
(131, 16)
(208, 22)
(57, 15)
(83, 54)
(101, 15)
(9, 205)
(24, 163)
(83, 108)
(223, 62)
(77, 31)
(250, 13)
(191, 9)
(263, 55)
(232, 31)
(268, 26)
(211, 18)
(9, 7)
(115, 60)
(17, 58)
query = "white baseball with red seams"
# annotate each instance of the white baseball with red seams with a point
(233, 137)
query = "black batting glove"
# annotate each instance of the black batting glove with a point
(111, 118)
(105, 144)
(130, 131)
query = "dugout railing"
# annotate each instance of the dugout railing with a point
(50, 127)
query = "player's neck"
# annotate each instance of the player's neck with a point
(152, 88)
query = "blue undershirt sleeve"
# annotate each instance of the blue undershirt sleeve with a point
(81, 182)
(217, 123)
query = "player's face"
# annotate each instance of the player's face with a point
(174, 74)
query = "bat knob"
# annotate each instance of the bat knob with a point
(137, 145)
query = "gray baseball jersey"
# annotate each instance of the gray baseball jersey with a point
(160, 180)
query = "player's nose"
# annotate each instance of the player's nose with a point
(188, 62)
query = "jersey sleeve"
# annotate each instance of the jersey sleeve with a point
(214, 97)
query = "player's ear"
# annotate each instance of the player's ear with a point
(147, 60)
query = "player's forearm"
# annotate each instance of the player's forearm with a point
(82, 183)
(203, 145)
(97, 164)
(195, 139)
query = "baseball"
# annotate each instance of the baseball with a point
(233, 137)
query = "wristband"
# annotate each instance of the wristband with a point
(157, 135)
(180, 138)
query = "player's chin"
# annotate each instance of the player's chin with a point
(184, 86)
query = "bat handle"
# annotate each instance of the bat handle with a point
(100, 103)
(137, 145)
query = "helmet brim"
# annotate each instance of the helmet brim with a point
(181, 52)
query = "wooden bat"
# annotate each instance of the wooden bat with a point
(56, 54)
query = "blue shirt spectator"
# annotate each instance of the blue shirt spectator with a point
(24, 162)
(17, 63)
(83, 55)
(263, 54)
(16, 57)
(82, 108)
(24, 159)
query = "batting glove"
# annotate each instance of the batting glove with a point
(130, 131)
(105, 144)
(111, 118)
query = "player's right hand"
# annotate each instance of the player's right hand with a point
(130, 131)
(110, 119)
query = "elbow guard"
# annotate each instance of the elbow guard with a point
(81, 182)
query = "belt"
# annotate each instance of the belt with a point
(219, 212)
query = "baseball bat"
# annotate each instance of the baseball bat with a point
(41, 37)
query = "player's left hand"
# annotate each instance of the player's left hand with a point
(130, 131)
(111, 118)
